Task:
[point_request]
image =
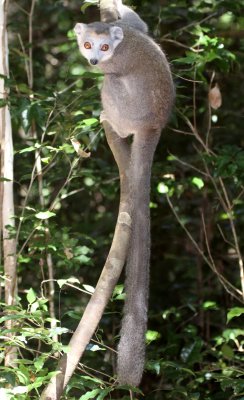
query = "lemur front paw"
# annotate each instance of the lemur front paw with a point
(103, 117)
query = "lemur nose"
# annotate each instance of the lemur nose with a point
(93, 61)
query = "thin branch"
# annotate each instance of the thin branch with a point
(31, 43)
(186, 164)
(227, 285)
(179, 44)
(194, 23)
(186, 79)
(195, 132)
(194, 100)
(233, 229)
(25, 57)
(224, 238)
(209, 112)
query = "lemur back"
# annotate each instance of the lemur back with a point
(137, 97)
(137, 88)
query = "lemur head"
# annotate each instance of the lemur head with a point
(97, 41)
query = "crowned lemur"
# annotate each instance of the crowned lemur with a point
(137, 97)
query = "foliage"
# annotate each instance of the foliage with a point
(66, 206)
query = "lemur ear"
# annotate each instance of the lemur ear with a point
(117, 34)
(79, 29)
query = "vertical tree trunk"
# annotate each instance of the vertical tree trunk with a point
(6, 184)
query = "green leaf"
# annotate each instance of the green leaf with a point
(82, 259)
(91, 394)
(162, 188)
(154, 365)
(12, 317)
(166, 364)
(95, 347)
(232, 334)
(31, 296)
(227, 351)
(62, 282)
(3, 103)
(118, 290)
(210, 305)
(234, 312)
(39, 362)
(22, 87)
(91, 379)
(89, 288)
(88, 3)
(152, 336)
(192, 352)
(45, 215)
(23, 260)
(2, 179)
(90, 121)
(198, 182)
(239, 387)
(104, 393)
(73, 280)
(195, 396)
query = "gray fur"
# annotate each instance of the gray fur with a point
(137, 98)
(130, 17)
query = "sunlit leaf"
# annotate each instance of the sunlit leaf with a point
(89, 288)
(162, 188)
(198, 182)
(90, 395)
(152, 336)
(31, 296)
(45, 215)
(234, 312)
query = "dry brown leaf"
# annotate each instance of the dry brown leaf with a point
(68, 252)
(77, 146)
(214, 97)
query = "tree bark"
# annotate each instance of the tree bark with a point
(7, 222)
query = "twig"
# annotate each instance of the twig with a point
(33, 2)
(25, 57)
(228, 286)
(194, 23)
(189, 166)
(179, 44)
(233, 229)
(209, 112)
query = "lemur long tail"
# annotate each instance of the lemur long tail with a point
(131, 349)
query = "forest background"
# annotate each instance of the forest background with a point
(66, 203)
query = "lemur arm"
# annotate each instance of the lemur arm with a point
(112, 10)
(108, 11)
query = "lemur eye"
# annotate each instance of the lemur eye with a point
(87, 45)
(105, 47)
